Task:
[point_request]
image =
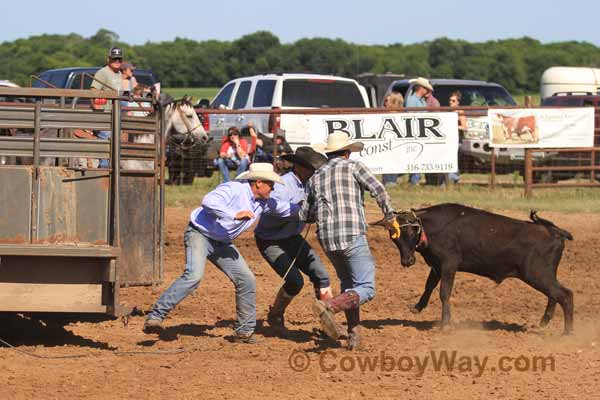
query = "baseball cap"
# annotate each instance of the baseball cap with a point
(115, 52)
(127, 65)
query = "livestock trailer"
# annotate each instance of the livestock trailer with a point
(72, 234)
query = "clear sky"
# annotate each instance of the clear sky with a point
(365, 22)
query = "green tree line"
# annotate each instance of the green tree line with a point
(517, 64)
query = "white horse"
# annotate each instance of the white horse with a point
(181, 125)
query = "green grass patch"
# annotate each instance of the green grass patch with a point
(535, 99)
(472, 192)
(196, 93)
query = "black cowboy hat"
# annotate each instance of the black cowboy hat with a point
(307, 157)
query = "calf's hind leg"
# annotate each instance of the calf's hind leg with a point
(549, 313)
(432, 281)
(556, 293)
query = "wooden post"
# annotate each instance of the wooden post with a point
(592, 164)
(493, 177)
(528, 101)
(528, 172)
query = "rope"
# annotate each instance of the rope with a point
(158, 352)
(282, 282)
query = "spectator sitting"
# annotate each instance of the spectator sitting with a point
(234, 153)
(260, 155)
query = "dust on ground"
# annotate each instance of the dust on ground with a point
(498, 348)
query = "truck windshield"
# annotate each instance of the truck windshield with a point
(474, 95)
(320, 93)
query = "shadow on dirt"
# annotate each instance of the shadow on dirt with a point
(172, 333)
(492, 325)
(46, 330)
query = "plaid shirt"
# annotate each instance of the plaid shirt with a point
(335, 202)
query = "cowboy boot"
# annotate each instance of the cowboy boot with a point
(275, 315)
(354, 329)
(325, 310)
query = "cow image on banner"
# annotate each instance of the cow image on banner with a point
(541, 127)
(393, 142)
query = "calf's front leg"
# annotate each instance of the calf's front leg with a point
(448, 274)
(432, 281)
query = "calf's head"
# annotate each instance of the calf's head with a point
(407, 236)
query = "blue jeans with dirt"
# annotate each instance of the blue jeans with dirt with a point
(225, 164)
(280, 255)
(355, 267)
(226, 257)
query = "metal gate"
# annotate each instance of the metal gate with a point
(71, 235)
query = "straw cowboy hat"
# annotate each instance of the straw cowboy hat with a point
(260, 172)
(338, 141)
(307, 157)
(421, 82)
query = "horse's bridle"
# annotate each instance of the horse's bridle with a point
(188, 126)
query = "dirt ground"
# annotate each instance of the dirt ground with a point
(497, 323)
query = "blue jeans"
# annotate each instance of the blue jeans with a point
(389, 178)
(104, 135)
(355, 267)
(280, 254)
(414, 179)
(225, 163)
(226, 257)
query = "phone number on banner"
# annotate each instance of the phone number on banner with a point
(430, 167)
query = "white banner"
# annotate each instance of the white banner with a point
(394, 142)
(542, 127)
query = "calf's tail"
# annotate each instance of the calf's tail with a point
(562, 233)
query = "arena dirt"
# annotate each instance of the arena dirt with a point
(491, 322)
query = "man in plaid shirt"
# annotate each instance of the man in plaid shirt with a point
(335, 202)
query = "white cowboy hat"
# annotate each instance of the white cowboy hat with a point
(260, 172)
(338, 141)
(421, 82)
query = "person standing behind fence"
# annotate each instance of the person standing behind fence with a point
(454, 101)
(226, 212)
(107, 78)
(417, 97)
(280, 242)
(394, 100)
(128, 81)
(335, 202)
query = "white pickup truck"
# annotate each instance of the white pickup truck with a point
(278, 91)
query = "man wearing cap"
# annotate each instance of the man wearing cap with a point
(335, 202)
(226, 212)
(419, 92)
(107, 78)
(280, 242)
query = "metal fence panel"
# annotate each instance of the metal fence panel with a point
(15, 212)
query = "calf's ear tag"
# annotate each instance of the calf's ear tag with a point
(395, 230)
